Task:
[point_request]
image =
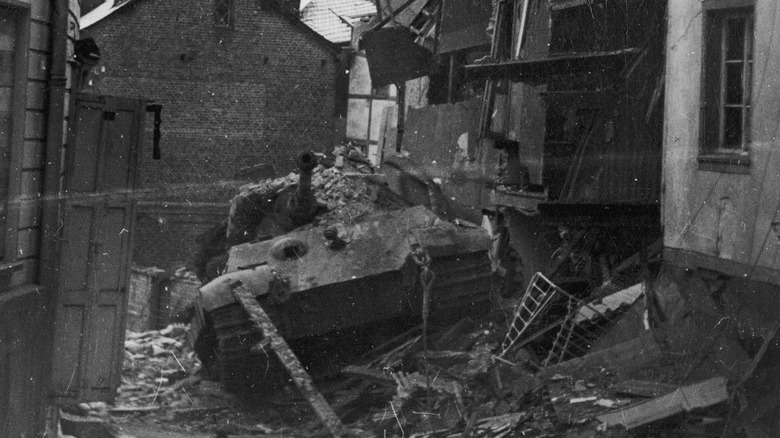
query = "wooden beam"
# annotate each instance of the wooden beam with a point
(685, 399)
(286, 356)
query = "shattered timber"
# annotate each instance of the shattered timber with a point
(543, 218)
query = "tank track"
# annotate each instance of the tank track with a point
(224, 344)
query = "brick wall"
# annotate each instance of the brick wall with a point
(257, 93)
(260, 92)
(164, 236)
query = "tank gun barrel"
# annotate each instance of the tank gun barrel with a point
(298, 207)
(304, 199)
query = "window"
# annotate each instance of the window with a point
(223, 13)
(9, 29)
(728, 67)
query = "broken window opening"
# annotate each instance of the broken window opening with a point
(224, 15)
(727, 81)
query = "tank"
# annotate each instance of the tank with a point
(325, 279)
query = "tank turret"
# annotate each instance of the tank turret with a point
(296, 205)
(273, 212)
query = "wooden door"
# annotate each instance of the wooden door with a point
(98, 212)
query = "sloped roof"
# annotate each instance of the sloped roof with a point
(102, 11)
(327, 17)
(110, 6)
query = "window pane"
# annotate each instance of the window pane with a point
(732, 129)
(735, 38)
(734, 83)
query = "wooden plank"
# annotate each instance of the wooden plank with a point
(684, 399)
(371, 374)
(557, 5)
(290, 361)
(123, 410)
(98, 374)
(643, 388)
(76, 245)
(69, 340)
(85, 145)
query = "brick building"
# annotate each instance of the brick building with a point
(241, 83)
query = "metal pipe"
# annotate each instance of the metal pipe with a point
(54, 143)
(48, 271)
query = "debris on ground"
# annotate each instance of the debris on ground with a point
(627, 355)
(664, 381)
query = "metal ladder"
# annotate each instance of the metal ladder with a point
(538, 295)
(563, 339)
(576, 336)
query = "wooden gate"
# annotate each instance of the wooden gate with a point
(98, 213)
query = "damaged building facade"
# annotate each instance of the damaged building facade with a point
(628, 118)
(47, 310)
(721, 161)
(244, 87)
(564, 148)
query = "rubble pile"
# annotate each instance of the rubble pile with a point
(344, 185)
(159, 368)
(670, 378)
(458, 388)
(664, 380)
(162, 384)
(347, 195)
(647, 358)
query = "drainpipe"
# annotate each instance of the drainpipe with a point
(54, 141)
(49, 255)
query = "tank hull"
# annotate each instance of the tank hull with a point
(367, 278)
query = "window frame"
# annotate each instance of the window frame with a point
(713, 155)
(19, 114)
(230, 15)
